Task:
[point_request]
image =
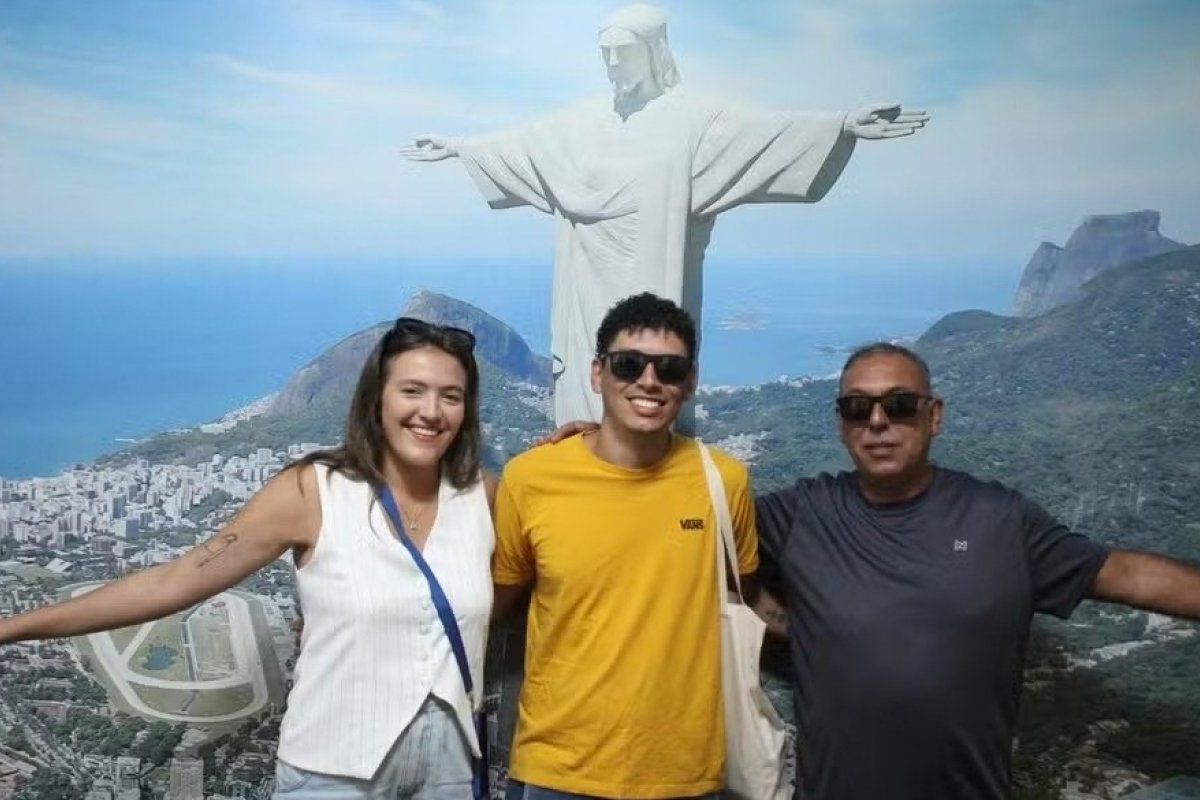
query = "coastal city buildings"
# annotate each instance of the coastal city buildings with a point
(90, 717)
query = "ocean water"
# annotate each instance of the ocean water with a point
(94, 353)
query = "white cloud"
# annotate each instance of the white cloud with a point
(336, 96)
(1078, 126)
(815, 60)
(54, 118)
(279, 149)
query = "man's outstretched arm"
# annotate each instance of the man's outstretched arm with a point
(1149, 582)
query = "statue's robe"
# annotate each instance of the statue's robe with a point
(636, 200)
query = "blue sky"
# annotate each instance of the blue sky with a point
(271, 128)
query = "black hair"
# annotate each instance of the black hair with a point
(646, 311)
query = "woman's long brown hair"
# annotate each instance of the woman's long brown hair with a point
(361, 453)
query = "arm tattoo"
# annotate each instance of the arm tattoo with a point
(214, 548)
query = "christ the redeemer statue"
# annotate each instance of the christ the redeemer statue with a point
(637, 182)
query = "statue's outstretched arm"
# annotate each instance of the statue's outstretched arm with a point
(884, 121)
(430, 147)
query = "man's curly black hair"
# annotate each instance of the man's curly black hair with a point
(646, 311)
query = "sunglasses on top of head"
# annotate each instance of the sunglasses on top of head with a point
(898, 406)
(628, 365)
(445, 335)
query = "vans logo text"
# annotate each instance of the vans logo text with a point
(691, 524)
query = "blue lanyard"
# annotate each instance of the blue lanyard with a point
(440, 601)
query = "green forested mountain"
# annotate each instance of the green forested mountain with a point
(1089, 409)
(312, 406)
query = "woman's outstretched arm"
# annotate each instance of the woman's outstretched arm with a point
(286, 513)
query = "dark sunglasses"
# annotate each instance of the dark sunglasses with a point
(628, 365)
(444, 335)
(899, 406)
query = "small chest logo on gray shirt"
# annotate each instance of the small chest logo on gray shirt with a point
(691, 524)
(960, 545)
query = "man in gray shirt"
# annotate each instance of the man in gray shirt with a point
(910, 591)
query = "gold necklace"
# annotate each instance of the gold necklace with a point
(411, 522)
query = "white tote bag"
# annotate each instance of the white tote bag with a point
(755, 761)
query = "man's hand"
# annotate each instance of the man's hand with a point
(430, 147)
(884, 121)
(566, 431)
(764, 604)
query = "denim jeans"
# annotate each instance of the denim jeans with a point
(525, 791)
(430, 761)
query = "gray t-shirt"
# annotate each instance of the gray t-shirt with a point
(908, 629)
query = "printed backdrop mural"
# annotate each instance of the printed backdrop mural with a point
(199, 199)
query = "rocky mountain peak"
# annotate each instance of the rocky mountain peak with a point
(333, 374)
(1055, 275)
(496, 342)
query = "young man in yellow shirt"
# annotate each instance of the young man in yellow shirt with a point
(614, 530)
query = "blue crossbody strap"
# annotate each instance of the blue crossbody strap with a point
(440, 601)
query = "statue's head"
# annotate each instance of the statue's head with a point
(633, 43)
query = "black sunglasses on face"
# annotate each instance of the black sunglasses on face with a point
(899, 406)
(628, 365)
(445, 335)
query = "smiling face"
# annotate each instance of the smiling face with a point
(644, 405)
(423, 406)
(889, 452)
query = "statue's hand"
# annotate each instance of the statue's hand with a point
(884, 121)
(430, 147)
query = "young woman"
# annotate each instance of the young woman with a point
(379, 707)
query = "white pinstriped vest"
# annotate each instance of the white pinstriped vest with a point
(373, 647)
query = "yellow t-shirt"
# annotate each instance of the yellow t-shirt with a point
(622, 692)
